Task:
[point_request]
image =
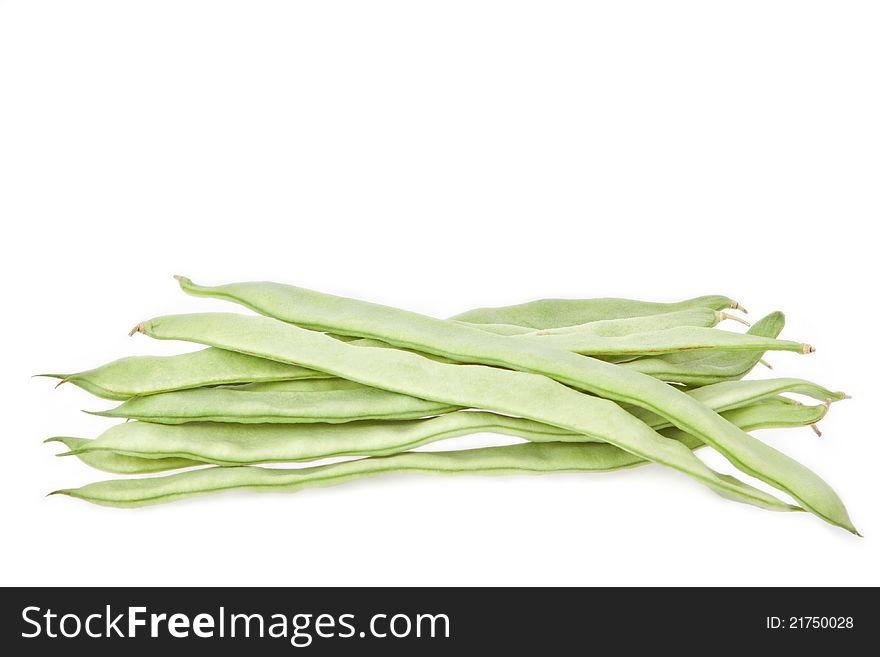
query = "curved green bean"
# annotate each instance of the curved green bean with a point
(120, 463)
(410, 330)
(233, 444)
(552, 313)
(146, 375)
(678, 339)
(524, 458)
(729, 395)
(252, 407)
(614, 328)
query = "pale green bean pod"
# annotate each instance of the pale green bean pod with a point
(451, 340)
(114, 463)
(261, 406)
(505, 391)
(679, 339)
(147, 375)
(552, 313)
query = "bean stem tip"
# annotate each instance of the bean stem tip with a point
(64, 377)
(734, 318)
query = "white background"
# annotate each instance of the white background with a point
(436, 156)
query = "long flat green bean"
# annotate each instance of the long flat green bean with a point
(613, 328)
(551, 313)
(729, 395)
(514, 459)
(114, 463)
(146, 375)
(410, 330)
(248, 406)
(679, 339)
(233, 444)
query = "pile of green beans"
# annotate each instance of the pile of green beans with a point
(589, 385)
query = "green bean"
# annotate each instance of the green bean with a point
(120, 463)
(235, 444)
(146, 375)
(450, 340)
(729, 395)
(705, 368)
(247, 406)
(552, 313)
(699, 316)
(678, 339)
(522, 458)
(232, 444)
(506, 391)
(614, 328)
(527, 457)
